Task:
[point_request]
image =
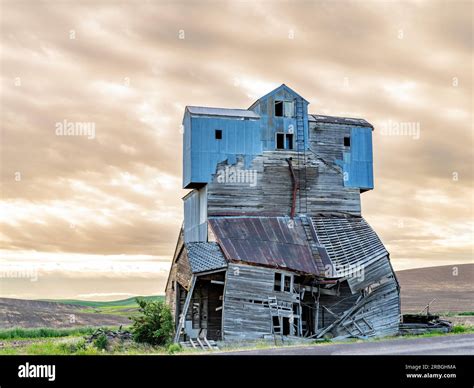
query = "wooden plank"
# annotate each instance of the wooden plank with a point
(185, 310)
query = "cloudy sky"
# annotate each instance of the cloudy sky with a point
(96, 217)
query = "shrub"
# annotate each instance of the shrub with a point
(101, 342)
(459, 329)
(174, 348)
(73, 347)
(154, 323)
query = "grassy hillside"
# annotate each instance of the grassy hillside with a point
(130, 302)
(66, 313)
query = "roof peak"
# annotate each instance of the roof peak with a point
(282, 86)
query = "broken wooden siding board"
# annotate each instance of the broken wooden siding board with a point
(371, 273)
(380, 309)
(337, 303)
(242, 318)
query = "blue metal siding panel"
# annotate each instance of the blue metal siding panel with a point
(239, 137)
(270, 124)
(202, 152)
(191, 217)
(187, 150)
(358, 163)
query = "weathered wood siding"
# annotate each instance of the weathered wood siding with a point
(378, 314)
(246, 313)
(180, 273)
(271, 194)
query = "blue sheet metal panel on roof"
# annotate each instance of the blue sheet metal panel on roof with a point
(205, 256)
(239, 137)
(267, 241)
(226, 112)
(358, 163)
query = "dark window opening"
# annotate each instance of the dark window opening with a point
(279, 108)
(347, 141)
(289, 141)
(286, 325)
(276, 323)
(284, 141)
(218, 134)
(287, 284)
(277, 285)
(280, 140)
(284, 108)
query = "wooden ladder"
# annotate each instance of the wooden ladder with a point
(200, 343)
(275, 312)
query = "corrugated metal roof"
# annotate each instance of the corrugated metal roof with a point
(207, 111)
(267, 241)
(339, 120)
(348, 240)
(205, 256)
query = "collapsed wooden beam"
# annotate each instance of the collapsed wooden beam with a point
(182, 316)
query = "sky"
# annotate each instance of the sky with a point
(94, 213)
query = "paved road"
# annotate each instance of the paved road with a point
(445, 345)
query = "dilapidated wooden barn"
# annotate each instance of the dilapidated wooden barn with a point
(273, 241)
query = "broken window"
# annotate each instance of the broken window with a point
(284, 108)
(282, 282)
(218, 134)
(289, 109)
(347, 141)
(287, 283)
(279, 108)
(277, 285)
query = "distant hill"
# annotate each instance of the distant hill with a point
(66, 313)
(419, 286)
(129, 302)
(453, 293)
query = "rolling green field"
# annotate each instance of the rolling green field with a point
(123, 307)
(130, 302)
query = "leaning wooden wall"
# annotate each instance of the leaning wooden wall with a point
(246, 313)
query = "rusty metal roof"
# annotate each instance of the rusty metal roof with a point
(276, 242)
